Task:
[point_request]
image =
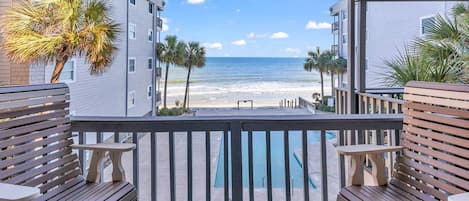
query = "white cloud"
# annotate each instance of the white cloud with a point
(215, 45)
(279, 35)
(238, 10)
(315, 25)
(239, 42)
(293, 50)
(254, 35)
(195, 1)
(165, 24)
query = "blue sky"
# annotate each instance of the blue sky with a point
(251, 28)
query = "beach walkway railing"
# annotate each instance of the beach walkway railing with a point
(349, 131)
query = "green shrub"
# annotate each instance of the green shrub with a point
(175, 111)
(325, 108)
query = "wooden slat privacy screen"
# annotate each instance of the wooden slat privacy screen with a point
(435, 160)
(35, 137)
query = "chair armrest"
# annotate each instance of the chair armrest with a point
(459, 197)
(363, 149)
(356, 154)
(11, 192)
(99, 151)
(115, 147)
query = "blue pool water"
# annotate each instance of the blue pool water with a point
(277, 150)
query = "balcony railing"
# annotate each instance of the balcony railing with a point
(335, 26)
(189, 165)
(158, 96)
(373, 101)
(335, 49)
(158, 72)
(159, 23)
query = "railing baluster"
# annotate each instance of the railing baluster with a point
(304, 136)
(208, 166)
(324, 166)
(286, 154)
(172, 182)
(189, 165)
(116, 137)
(341, 139)
(99, 139)
(153, 159)
(236, 162)
(226, 165)
(251, 166)
(81, 153)
(269, 166)
(136, 162)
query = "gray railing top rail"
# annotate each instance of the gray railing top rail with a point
(384, 98)
(164, 124)
(380, 90)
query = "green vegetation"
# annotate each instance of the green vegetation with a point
(323, 105)
(178, 53)
(194, 56)
(56, 30)
(325, 62)
(441, 55)
(170, 53)
(175, 111)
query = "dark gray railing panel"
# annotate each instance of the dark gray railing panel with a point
(232, 128)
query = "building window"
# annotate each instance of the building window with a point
(150, 63)
(426, 23)
(149, 91)
(150, 7)
(68, 72)
(150, 35)
(131, 99)
(344, 38)
(343, 13)
(132, 2)
(132, 64)
(132, 31)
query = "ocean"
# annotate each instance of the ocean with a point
(225, 80)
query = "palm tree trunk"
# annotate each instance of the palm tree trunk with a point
(186, 94)
(332, 84)
(59, 66)
(322, 85)
(165, 84)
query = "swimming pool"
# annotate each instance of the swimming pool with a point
(259, 159)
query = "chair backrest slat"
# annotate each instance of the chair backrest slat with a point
(435, 159)
(35, 136)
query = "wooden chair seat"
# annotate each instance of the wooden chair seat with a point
(80, 190)
(36, 151)
(434, 163)
(391, 192)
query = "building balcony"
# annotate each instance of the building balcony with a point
(159, 24)
(158, 72)
(215, 158)
(158, 97)
(335, 26)
(335, 49)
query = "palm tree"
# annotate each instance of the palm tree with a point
(56, 30)
(194, 57)
(314, 62)
(341, 68)
(171, 52)
(439, 56)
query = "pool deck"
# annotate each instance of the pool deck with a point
(199, 168)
